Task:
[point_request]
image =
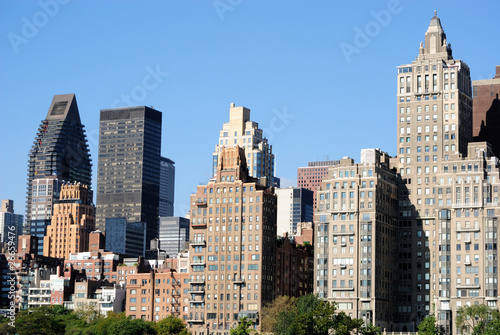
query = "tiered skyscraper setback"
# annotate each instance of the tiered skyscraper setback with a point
(72, 221)
(242, 132)
(232, 247)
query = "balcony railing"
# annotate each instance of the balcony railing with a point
(201, 202)
(239, 280)
(196, 301)
(201, 320)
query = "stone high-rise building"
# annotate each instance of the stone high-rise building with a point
(246, 134)
(129, 167)
(355, 234)
(60, 150)
(72, 221)
(233, 247)
(448, 198)
(11, 224)
(434, 124)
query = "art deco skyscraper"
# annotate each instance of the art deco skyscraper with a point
(242, 132)
(434, 114)
(72, 222)
(129, 167)
(232, 247)
(448, 201)
(60, 151)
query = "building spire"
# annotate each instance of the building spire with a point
(435, 40)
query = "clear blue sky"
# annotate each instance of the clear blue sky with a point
(274, 57)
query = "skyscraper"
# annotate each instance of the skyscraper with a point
(448, 200)
(242, 132)
(295, 204)
(129, 167)
(173, 235)
(355, 228)
(45, 192)
(72, 221)
(60, 150)
(232, 247)
(124, 237)
(11, 224)
(167, 186)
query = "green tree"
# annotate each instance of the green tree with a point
(344, 324)
(40, 321)
(285, 323)
(270, 312)
(102, 326)
(473, 319)
(132, 327)
(324, 317)
(428, 326)
(313, 316)
(492, 327)
(5, 327)
(88, 312)
(243, 328)
(370, 329)
(171, 325)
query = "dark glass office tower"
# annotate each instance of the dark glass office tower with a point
(59, 152)
(167, 185)
(129, 167)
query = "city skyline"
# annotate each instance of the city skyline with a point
(311, 74)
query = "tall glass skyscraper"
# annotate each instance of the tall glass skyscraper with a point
(174, 235)
(129, 167)
(59, 152)
(167, 186)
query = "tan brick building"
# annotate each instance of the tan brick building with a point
(72, 220)
(233, 247)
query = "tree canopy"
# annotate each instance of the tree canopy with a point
(307, 315)
(55, 319)
(428, 326)
(243, 328)
(473, 319)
